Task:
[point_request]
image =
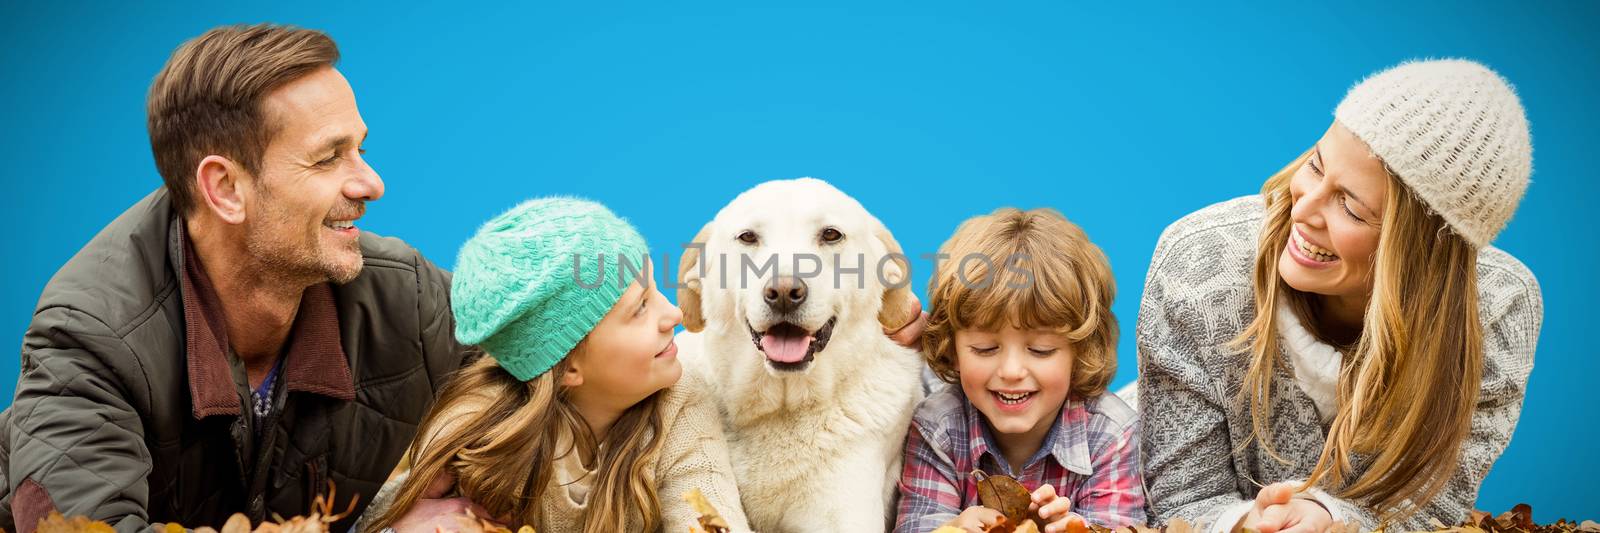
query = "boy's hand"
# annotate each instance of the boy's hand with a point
(975, 518)
(1278, 510)
(1056, 511)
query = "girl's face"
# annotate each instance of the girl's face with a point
(629, 355)
(1338, 198)
(1018, 379)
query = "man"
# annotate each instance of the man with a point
(232, 342)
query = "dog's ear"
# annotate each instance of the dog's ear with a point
(900, 305)
(689, 283)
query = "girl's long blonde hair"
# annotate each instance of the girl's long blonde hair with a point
(1407, 388)
(502, 450)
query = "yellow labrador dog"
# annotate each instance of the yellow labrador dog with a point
(785, 307)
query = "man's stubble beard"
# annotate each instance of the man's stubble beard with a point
(281, 259)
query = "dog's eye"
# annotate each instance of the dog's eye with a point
(747, 237)
(831, 235)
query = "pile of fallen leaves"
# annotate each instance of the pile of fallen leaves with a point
(1011, 499)
(1000, 493)
(322, 514)
(1519, 519)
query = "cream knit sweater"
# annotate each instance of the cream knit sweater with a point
(695, 456)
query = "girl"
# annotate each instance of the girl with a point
(576, 420)
(1348, 337)
(1021, 329)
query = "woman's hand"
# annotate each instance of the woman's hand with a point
(975, 518)
(1056, 511)
(1277, 509)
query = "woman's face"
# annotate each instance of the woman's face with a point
(1338, 198)
(629, 355)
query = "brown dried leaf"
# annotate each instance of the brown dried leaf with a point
(1522, 516)
(1005, 494)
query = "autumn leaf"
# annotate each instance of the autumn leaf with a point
(55, 523)
(710, 520)
(1004, 525)
(1005, 494)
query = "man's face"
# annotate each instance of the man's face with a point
(313, 183)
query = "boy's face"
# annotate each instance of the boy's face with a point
(1018, 379)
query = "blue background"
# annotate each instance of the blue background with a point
(1124, 117)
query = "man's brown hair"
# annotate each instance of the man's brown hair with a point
(1031, 270)
(207, 99)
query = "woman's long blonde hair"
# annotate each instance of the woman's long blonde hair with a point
(502, 449)
(1408, 387)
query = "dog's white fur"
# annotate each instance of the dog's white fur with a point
(818, 449)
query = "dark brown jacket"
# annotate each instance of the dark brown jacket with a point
(129, 411)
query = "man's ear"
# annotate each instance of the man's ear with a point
(220, 188)
(900, 305)
(689, 282)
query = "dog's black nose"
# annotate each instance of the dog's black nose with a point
(784, 294)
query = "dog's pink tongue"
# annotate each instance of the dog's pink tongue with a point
(785, 349)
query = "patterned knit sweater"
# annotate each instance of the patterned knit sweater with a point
(695, 456)
(1198, 296)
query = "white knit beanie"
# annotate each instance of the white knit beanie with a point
(1454, 132)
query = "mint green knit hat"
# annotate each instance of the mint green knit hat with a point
(535, 280)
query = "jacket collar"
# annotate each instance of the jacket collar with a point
(315, 355)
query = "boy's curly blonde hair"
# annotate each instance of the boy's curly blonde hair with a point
(1032, 270)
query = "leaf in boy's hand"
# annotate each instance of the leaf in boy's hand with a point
(1004, 494)
(1005, 525)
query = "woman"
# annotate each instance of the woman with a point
(1347, 338)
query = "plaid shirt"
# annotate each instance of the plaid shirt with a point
(1091, 456)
